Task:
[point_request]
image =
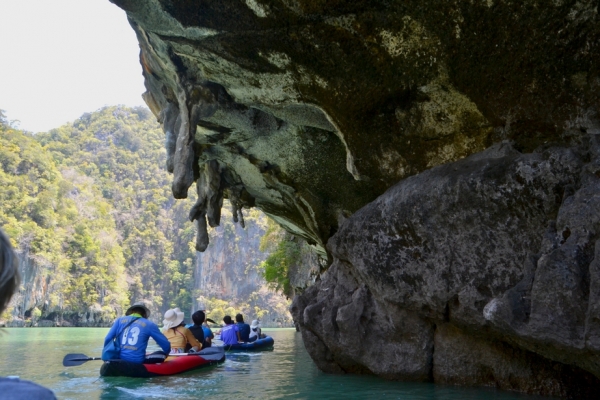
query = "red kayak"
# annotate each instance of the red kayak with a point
(173, 365)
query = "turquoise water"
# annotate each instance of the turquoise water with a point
(286, 372)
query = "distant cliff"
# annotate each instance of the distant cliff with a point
(88, 210)
(231, 269)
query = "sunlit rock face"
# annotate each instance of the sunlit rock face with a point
(311, 109)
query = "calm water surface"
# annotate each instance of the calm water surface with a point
(287, 372)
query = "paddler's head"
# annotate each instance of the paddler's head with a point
(138, 308)
(198, 317)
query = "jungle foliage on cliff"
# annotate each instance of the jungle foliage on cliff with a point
(90, 203)
(89, 209)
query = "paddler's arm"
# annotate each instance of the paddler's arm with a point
(111, 333)
(160, 339)
(192, 340)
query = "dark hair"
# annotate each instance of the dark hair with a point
(239, 318)
(198, 317)
(227, 320)
(137, 310)
(9, 271)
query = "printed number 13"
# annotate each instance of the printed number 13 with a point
(131, 336)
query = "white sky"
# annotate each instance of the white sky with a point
(62, 58)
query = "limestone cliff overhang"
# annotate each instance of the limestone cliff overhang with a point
(310, 109)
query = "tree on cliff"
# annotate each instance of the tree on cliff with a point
(122, 151)
(61, 227)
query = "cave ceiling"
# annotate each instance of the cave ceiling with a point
(311, 109)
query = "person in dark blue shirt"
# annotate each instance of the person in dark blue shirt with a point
(197, 329)
(133, 332)
(244, 328)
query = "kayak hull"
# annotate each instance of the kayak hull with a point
(258, 345)
(172, 366)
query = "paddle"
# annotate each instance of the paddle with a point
(211, 321)
(72, 360)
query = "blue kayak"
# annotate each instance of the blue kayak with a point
(258, 345)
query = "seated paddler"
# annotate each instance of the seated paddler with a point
(132, 333)
(178, 335)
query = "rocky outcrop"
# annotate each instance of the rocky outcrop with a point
(30, 305)
(309, 110)
(479, 272)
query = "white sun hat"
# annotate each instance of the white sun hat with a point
(255, 324)
(173, 318)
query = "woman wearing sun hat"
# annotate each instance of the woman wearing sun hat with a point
(255, 331)
(177, 334)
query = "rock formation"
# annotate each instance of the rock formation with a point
(478, 266)
(229, 269)
(483, 271)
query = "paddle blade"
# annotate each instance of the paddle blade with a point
(71, 360)
(210, 320)
(212, 353)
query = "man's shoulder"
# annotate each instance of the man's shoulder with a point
(148, 323)
(18, 389)
(144, 323)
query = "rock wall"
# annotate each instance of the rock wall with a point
(230, 269)
(311, 109)
(479, 272)
(30, 305)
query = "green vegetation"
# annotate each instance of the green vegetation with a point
(61, 221)
(89, 209)
(285, 252)
(91, 203)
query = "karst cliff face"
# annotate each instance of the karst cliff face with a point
(478, 118)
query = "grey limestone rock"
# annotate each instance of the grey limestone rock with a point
(474, 123)
(313, 108)
(478, 272)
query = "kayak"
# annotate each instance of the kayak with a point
(258, 345)
(173, 364)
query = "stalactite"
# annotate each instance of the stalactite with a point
(195, 103)
(201, 233)
(183, 173)
(214, 192)
(236, 206)
(169, 118)
(209, 203)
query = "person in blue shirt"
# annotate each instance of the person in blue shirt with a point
(230, 333)
(133, 332)
(208, 334)
(243, 327)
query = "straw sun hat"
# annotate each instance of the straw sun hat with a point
(173, 318)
